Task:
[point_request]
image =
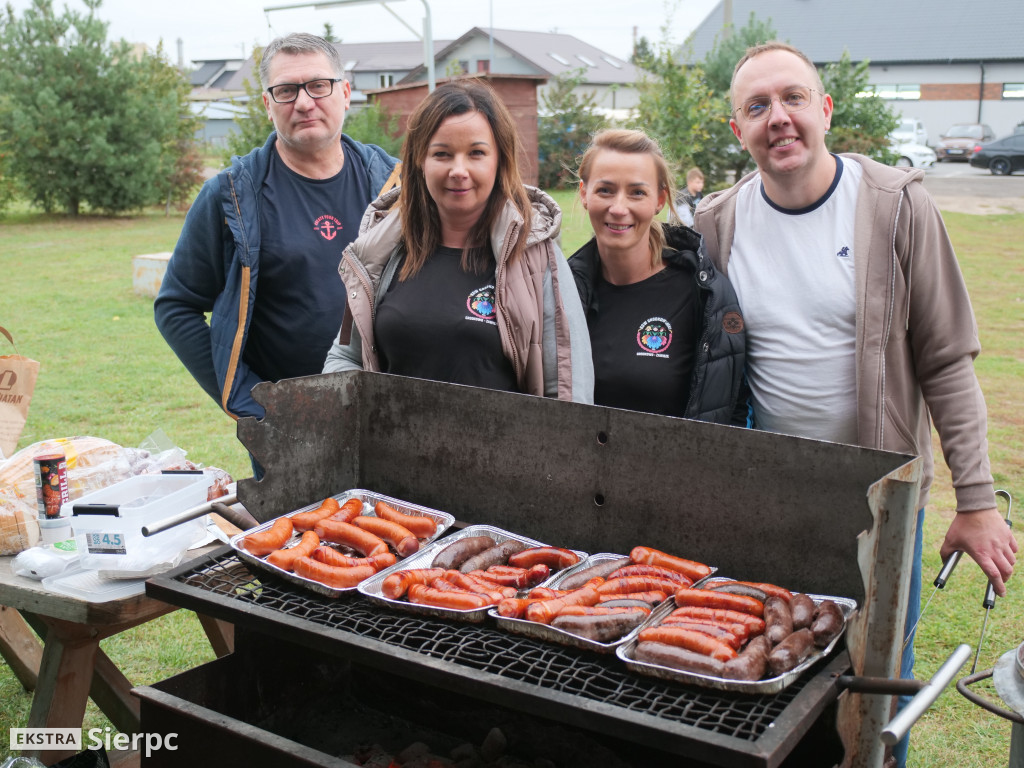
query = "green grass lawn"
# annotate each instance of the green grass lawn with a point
(66, 296)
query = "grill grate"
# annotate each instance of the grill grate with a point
(487, 649)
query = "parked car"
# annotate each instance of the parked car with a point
(1001, 157)
(910, 130)
(910, 154)
(1019, 127)
(959, 141)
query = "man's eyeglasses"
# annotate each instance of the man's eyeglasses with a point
(792, 100)
(286, 93)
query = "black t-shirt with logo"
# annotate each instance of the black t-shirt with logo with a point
(644, 338)
(440, 325)
(300, 299)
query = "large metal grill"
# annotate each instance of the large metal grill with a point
(597, 479)
(483, 648)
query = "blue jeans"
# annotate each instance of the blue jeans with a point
(913, 613)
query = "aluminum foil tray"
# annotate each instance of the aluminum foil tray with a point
(553, 634)
(764, 686)
(561, 636)
(371, 588)
(369, 499)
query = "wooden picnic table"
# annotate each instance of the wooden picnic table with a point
(69, 667)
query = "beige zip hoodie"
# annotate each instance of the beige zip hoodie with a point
(916, 333)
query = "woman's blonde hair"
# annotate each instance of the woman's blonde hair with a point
(421, 223)
(634, 143)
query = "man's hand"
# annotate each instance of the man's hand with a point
(985, 536)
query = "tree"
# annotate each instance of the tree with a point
(643, 53)
(252, 122)
(567, 122)
(861, 121)
(677, 108)
(8, 184)
(87, 122)
(724, 159)
(375, 125)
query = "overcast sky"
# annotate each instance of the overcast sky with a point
(210, 29)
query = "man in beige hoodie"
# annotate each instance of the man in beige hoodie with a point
(859, 326)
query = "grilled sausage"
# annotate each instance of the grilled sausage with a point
(544, 611)
(397, 584)
(422, 527)
(739, 631)
(650, 570)
(602, 569)
(650, 597)
(398, 536)
(791, 652)
(828, 623)
(736, 588)
(331, 556)
(689, 568)
(677, 658)
(455, 601)
(711, 599)
(354, 537)
(753, 623)
(601, 628)
(698, 642)
(459, 551)
(304, 521)
(473, 583)
(515, 607)
(623, 601)
(716, 631)
(264, 542)
(332, 576)
(778, 620)
(285, 558)
(496, 555)
(554, 558)
(752, 662)
(768, 589)
(627, 584)
(802, 608)
(520, 578)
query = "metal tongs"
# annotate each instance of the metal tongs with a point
(947, 571)
(990, 592)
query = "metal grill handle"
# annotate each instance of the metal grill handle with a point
(189, 514)
(917, 706)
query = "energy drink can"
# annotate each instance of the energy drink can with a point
(51, 484)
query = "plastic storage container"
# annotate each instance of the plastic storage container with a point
(108, 523)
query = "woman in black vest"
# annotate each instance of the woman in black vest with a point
(666, 329)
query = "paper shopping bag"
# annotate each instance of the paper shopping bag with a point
(17, 382)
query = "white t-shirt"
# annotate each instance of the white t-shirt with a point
(793, 271)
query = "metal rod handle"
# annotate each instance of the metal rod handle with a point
(189, 514)
(906, 717)
(947, 569)
(880, 685)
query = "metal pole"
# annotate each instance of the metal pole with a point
(428, 46)
(906, 717)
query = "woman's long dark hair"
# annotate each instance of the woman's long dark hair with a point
(421, 223)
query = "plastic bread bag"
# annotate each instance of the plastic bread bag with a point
(49, 560)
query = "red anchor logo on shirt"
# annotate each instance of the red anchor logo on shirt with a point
(328, 227)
